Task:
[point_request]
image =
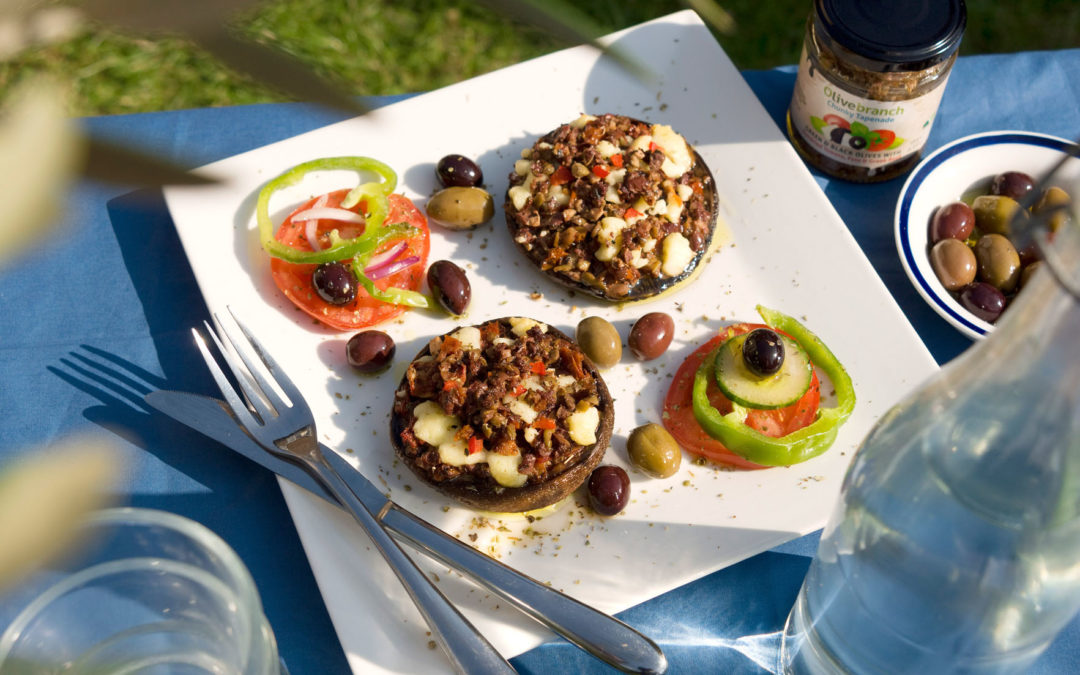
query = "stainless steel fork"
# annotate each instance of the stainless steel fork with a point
(287, 429)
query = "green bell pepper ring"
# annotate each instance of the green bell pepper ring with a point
(798, 446)
(359, 248)
(339, 249)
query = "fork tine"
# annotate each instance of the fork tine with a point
(260, 399)
(243, 415)
(295, 398)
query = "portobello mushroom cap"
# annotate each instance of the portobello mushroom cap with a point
(557, 208)
(474, 485)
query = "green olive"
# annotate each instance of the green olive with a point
(953, 263)
(998, 261)
(995, 213)
(1054, 204)
(653, 450)
(461, 208)
(600, 341)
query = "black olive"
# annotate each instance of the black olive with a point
(458, 171)
(983, 300)
(651, 335)
(1015, 184)
(450, 286)
(609, 490)
(952, 221)
(334, 282)
(763, 351)
(370, 351)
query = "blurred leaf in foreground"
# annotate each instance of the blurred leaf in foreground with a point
(40, 152)
(43, 499)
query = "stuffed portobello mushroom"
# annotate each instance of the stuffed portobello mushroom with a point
(612, 206)
(508, 416)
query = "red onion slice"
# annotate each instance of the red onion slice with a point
(386, 257)
(393, 267)
(328, 213)
(311, 231)
(311, 228)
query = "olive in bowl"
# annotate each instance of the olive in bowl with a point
(981, 171)
(980, 252)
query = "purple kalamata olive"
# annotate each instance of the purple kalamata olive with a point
(609, 489)
(651, 335)
(370, 351)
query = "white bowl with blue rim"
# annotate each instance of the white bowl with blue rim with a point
(962, 168)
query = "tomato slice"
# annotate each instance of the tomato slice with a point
(678, 417)
(294, 280)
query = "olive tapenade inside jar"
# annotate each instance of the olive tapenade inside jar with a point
(506, 416)
(871, 76)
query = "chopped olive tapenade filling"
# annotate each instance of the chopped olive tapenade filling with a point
(613, 205)
(503, 404)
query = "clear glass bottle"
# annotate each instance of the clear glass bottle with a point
(955, 546)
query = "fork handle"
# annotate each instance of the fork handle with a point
(468, 650)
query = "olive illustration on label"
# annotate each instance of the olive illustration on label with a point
(855, 135)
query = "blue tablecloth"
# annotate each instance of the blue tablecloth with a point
(101, 315)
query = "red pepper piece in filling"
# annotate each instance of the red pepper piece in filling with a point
(616, 161)
(544, 423)
(600, 171)
(561, 176)
(538, 368)
(476, 444)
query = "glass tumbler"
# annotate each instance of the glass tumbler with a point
(148, 592)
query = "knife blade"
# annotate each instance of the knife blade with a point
(212, 418)
(599, 634)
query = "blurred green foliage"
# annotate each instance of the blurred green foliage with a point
(375, 47)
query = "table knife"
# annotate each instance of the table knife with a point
(601, 635)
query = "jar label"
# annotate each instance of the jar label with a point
(859, 131)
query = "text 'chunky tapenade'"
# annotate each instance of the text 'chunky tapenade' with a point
(612, 206)
(506, 416)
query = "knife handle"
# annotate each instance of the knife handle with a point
(601, 635)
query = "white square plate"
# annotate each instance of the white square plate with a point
(787, 250)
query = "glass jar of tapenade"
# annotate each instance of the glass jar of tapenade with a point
(870, 79)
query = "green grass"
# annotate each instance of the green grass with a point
(375, 47)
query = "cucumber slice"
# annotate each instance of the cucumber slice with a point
(748, 389)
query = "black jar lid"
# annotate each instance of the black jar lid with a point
(891, 35)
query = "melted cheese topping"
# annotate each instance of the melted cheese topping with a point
(521, 325)
(433, 426)
(582, 424)
(678, 159)
(676, 253)
(609, 235)
(504, 469)
(469, 336)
